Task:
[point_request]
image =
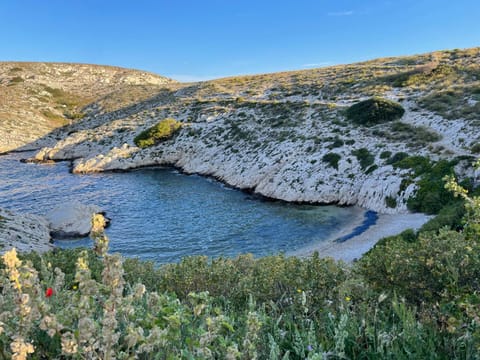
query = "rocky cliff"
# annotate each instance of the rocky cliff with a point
(286, 135)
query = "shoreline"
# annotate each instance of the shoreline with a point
(357, 244)
(348, 243)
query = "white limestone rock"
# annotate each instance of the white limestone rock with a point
(71, 219)
(23, 232)
(284, 170)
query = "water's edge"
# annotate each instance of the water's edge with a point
(162, 213)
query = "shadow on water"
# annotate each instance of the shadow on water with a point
(370, 218)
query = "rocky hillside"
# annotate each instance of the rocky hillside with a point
(39, 97)
(287, 136)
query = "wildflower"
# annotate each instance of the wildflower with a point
(49, 292)
(20, 348)
(69, 344)
(75, 287)
(50, 324)
(139, 290)
(382, 297)
(348, 298)
(309, 348)
(299, 291)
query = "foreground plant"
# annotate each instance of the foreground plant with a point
(108, 319)
(412, 296)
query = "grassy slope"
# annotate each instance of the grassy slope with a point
(39, 97)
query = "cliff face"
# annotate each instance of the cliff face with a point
(37, 98)
(286, 136)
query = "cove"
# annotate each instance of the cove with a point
(162, 215)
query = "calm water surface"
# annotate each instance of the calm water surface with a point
(162, 215)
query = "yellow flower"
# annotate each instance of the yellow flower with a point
(348, 298)
(299, 291)
(20, 348)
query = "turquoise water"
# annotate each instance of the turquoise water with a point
(162, 215)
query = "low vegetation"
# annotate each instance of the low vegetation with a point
(364, 157)
(374, 111)
(413, 136)
(163, 130)
(412, 296)
(332, 159)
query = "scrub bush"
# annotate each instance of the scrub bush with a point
(374, 111)
(332, 159)
(164, 130)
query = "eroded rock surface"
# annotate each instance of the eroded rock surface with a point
(71, 219)
(24, 232)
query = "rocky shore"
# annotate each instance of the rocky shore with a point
(27, 232)
(286, 136)
(290, 170)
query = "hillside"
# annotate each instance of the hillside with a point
(286, 135)
(39, 97)
(380, 134)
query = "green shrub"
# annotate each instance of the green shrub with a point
(374, 111)
(449, 216)
(413, 134)
(371, 169)
(408, 235)
(337, 142)
(391, 202)
(431, 195)
(364, 157)
(164, 130)
(332, 159)
(475, 148)
(385, 154)
(396, 158)
(419, 164)
(429, 269)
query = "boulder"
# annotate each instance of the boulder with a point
(71, 220)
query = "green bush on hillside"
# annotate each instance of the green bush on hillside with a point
(364, 157)
(396, 158)
(374, 111)
(165, 129)
(431, 195)
(332, 159)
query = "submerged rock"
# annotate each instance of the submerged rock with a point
(72, 219)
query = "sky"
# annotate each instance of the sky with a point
(193, 40)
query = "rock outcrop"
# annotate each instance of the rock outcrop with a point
(286, 136)
(71, 220)
(24, 232)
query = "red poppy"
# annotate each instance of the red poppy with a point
(49, 292)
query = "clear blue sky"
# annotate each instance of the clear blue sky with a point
(199, 39)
